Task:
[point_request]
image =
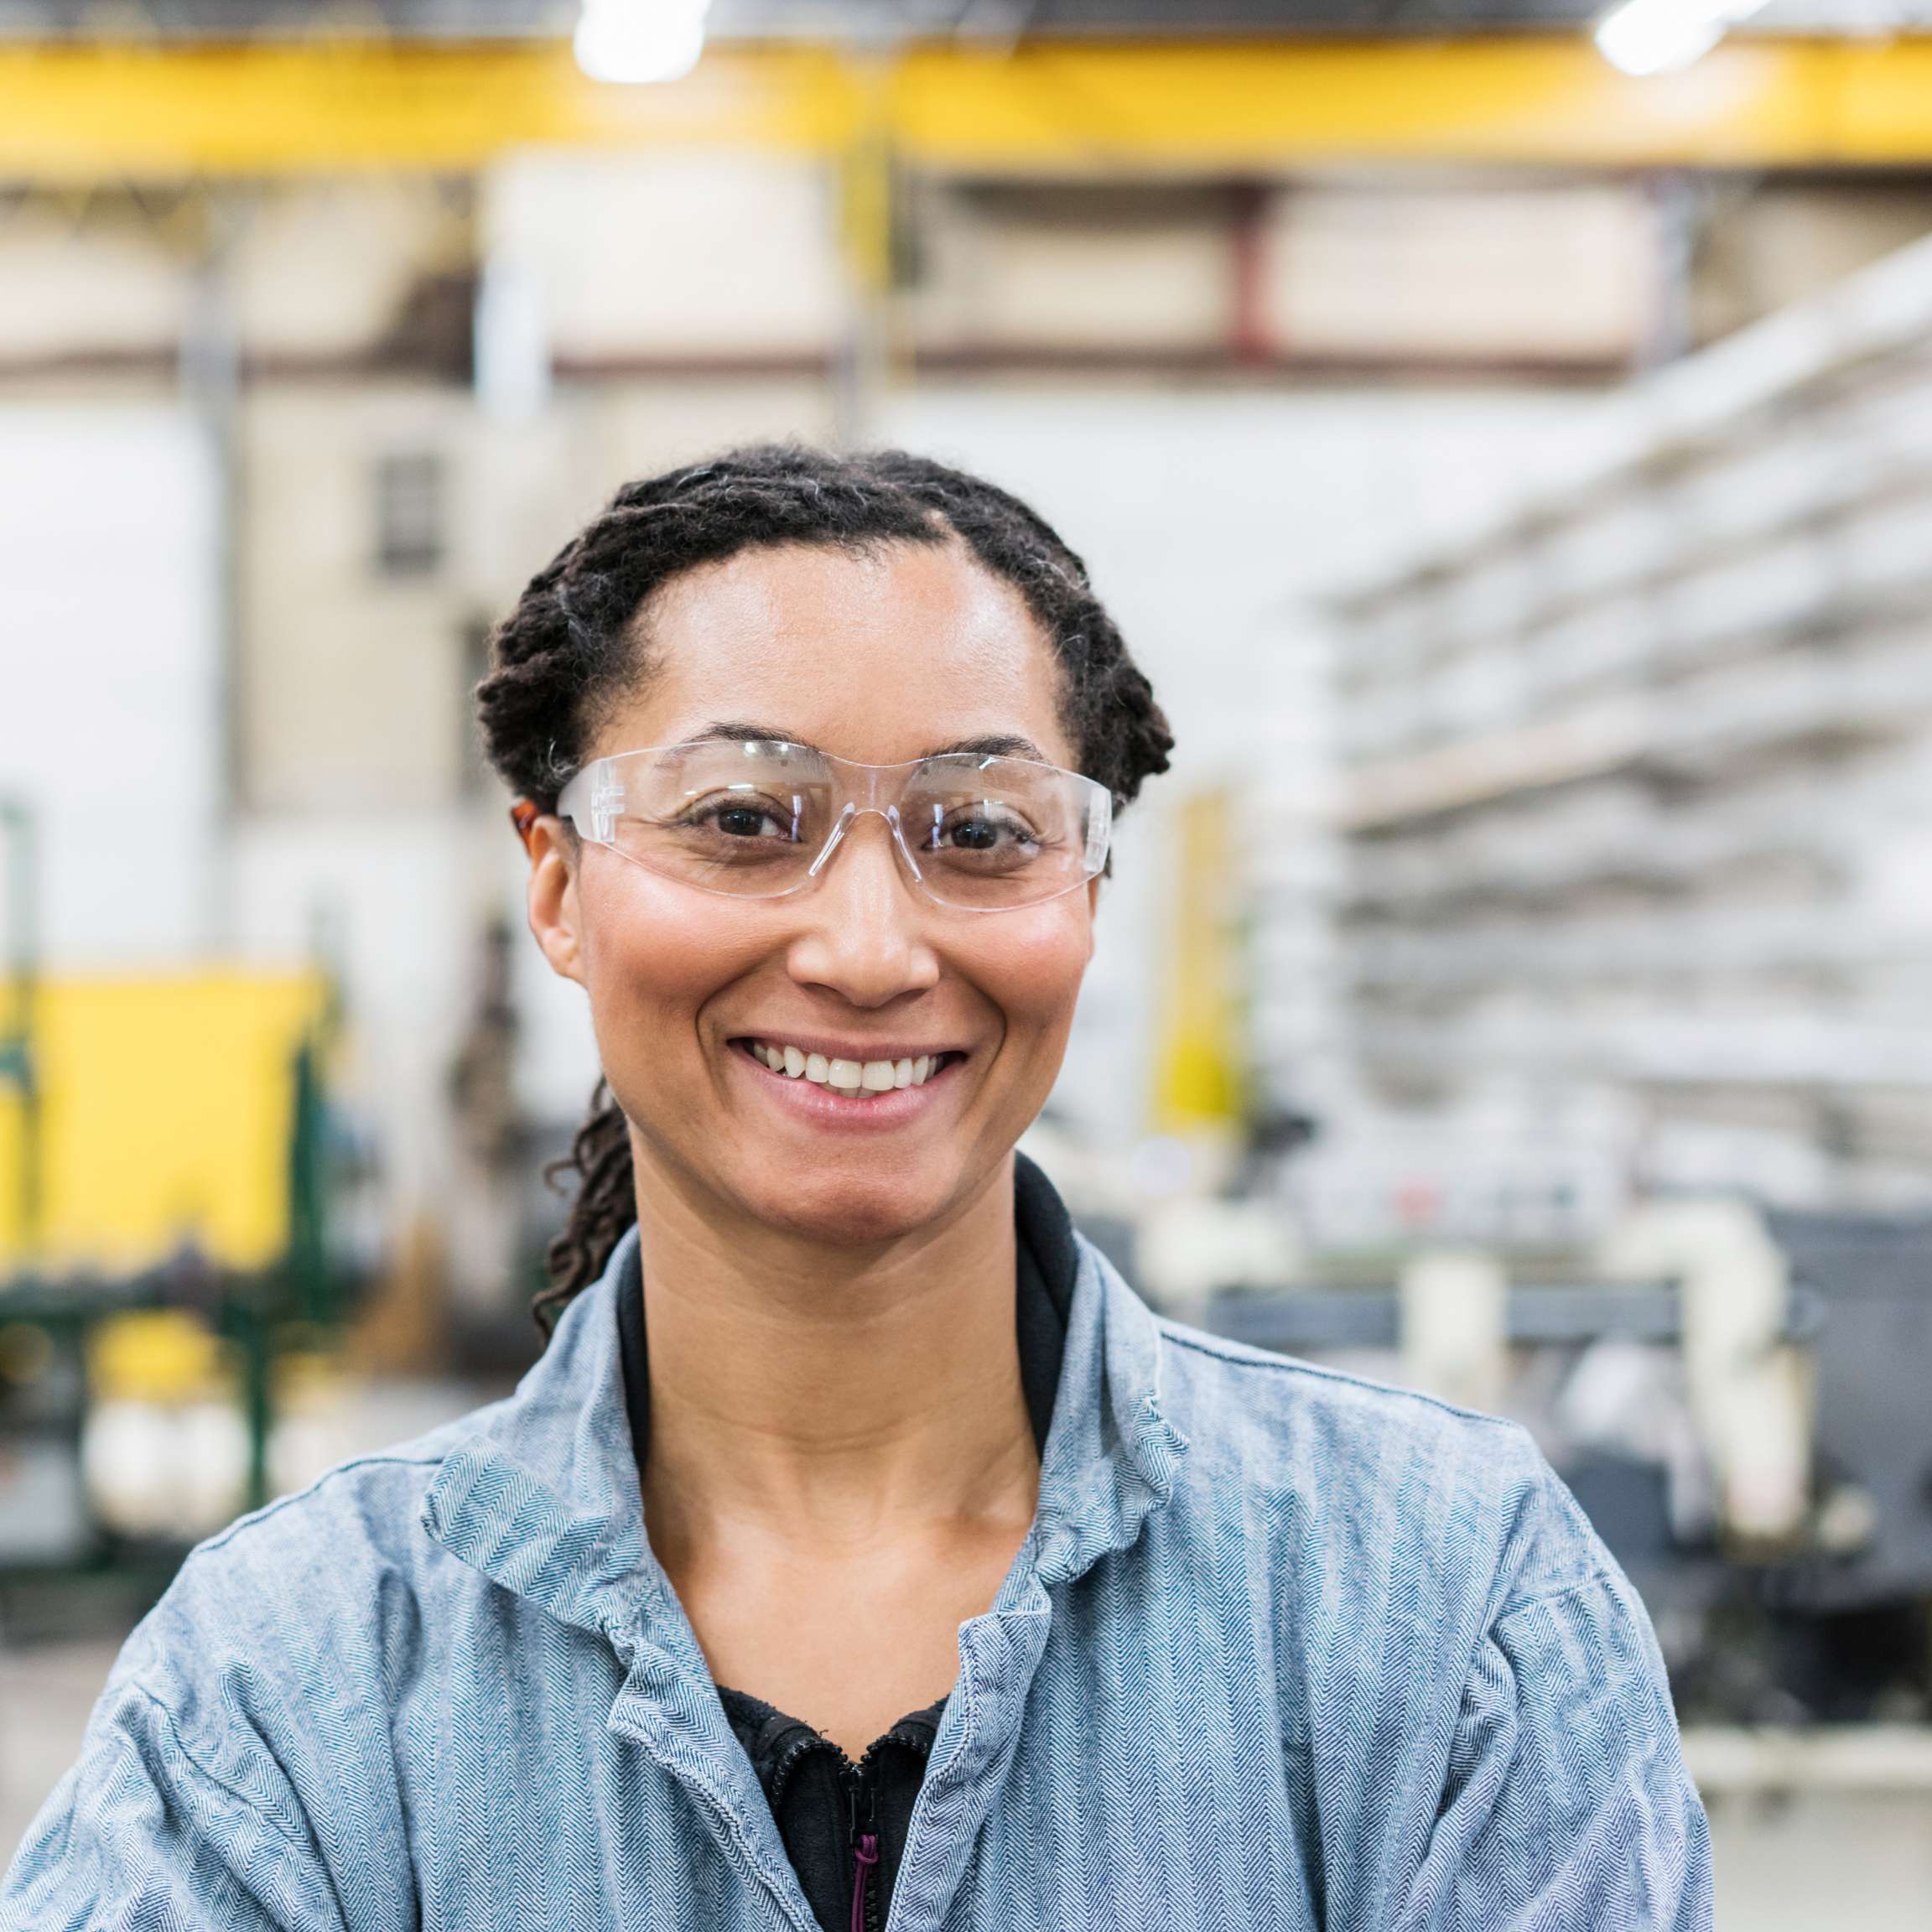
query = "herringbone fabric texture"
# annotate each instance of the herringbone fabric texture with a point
(1282, 1650)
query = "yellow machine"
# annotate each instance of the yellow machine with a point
(165, 1170)
(166, 1106)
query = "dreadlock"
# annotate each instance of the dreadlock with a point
(568, 648)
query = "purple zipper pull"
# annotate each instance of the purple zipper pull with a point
(865, 1856)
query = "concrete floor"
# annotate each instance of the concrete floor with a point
(1785, 1863)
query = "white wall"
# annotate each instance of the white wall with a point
(112, 289)
(326, 268)
(351, 692)
(110, 675)
(680, 254)
(1548, 273)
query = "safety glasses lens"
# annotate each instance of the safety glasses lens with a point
(995, 832)
(754, 819)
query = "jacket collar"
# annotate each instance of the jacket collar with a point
(543, 1496)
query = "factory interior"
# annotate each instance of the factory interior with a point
(1502, 429)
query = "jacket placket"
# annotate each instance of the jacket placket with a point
(668, 1705)
(999, 1654)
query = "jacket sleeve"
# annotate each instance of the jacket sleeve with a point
(142, 1836)
(1567, 1806)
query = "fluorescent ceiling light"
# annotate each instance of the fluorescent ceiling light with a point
(636, 41)
(1656, 36)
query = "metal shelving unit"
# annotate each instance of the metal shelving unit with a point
(1635, 773)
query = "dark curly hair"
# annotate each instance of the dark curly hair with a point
(569, 647)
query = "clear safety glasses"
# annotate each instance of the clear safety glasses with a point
(757, 818)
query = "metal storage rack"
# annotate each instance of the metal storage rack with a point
(1638, 776)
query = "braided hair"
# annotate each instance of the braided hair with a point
(568, 649)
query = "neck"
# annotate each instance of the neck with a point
(834, 1394)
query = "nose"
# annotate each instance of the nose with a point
(864, 935)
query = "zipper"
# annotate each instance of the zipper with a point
(912, 1734)
(865, 1840)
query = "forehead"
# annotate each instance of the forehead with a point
(879, 655)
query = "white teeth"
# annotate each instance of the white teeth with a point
(847, 1077)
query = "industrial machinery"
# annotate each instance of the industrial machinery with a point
(1736, 1397)
(171, 1250)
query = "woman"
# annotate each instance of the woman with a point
(1124, 1626)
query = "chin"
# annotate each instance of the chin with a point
(859, 1205)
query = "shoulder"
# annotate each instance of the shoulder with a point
(243, 1752)
(1229, 1397)
(1340, 1462)
(317, 1595)
(362, 1511)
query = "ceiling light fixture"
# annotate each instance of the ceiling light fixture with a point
(1643, 36)
(635, 42)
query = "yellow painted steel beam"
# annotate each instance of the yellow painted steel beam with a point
(90, 113)
(103, 111)
(1544, 101)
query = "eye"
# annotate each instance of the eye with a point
(747, 822)
(736, 819)
(984, 829)
(972, 835)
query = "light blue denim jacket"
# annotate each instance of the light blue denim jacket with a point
(1282, 1650)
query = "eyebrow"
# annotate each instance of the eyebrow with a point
(987, 744)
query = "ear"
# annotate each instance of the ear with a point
(550, 897)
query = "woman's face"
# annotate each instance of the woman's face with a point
(881, 658)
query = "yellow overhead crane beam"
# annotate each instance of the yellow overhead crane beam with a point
(169, 111)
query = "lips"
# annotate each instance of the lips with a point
(854, 1077)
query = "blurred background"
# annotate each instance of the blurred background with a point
(1504, 433)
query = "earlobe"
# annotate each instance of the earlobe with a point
(551, 900)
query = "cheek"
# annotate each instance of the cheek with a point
(1030, 964)
(653, 955)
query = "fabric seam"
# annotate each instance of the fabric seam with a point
(288, 1844)
(1597, 1579)
(1293, 1365)
(378, 1459)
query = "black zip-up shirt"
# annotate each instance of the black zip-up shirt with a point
(845, 1825)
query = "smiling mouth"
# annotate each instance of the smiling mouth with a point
(855, 1079)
